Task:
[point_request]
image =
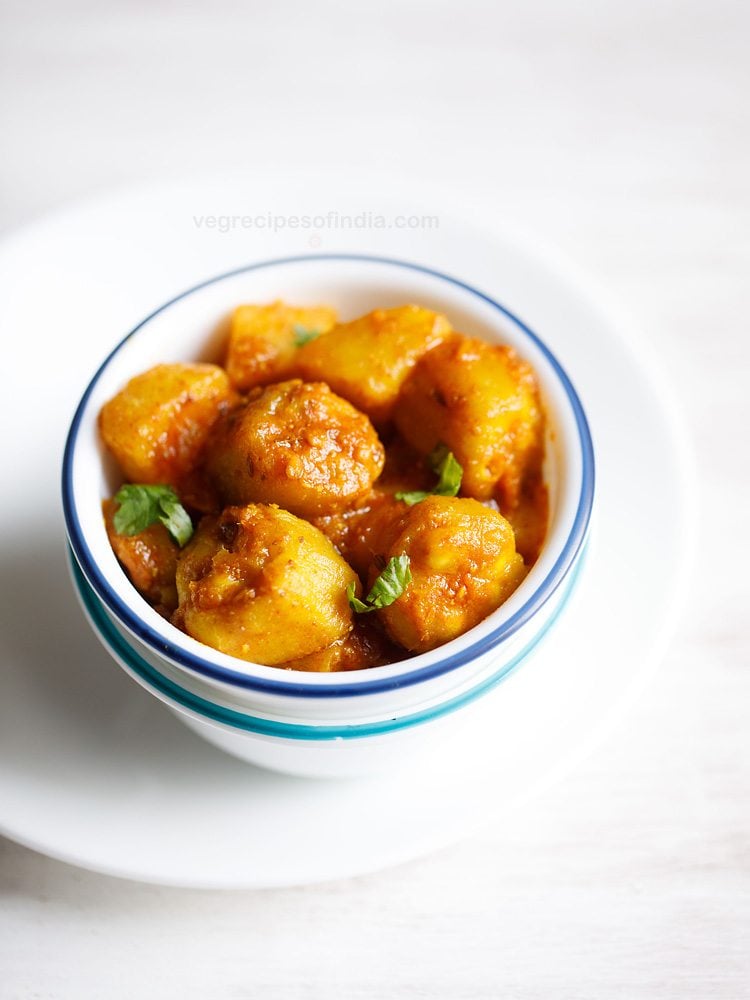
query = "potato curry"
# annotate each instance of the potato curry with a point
(333, 496)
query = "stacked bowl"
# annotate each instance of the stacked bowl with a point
(305, 723)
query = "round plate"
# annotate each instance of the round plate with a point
(95, 771)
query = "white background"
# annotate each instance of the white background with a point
(617, 133)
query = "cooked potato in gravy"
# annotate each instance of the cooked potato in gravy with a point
(333, 495)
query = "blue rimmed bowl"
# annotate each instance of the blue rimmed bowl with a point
(321, 723)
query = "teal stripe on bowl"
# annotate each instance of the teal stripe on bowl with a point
(286, 730)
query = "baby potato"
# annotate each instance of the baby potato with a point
(299, 445)
(149, 558)
(367, 360)
(463, 563)
(259, 583)
(263, 341)
(365, 646)
(482, 402)
(157, 426)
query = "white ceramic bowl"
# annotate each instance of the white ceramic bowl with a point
(304, 722)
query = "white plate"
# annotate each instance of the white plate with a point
(95, 771)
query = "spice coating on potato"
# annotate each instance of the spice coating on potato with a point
(149, 558)
(367, 360)
(463, 565)
(364, 534)
(157, 426)
(365, 646)
(299, 445)
(263, 341)
(529, 516)
(263, 585)
(482, 402)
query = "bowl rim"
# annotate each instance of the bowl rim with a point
(349, 684)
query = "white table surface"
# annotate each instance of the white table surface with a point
(619, 133)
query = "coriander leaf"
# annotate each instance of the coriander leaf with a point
(140, 506)
(391, 583)
(387, 588)
(138, 509)
(176, 519)
(450, 473)
(354, 602)
(437, 456)
(302, 335)
(445, 466)
(410, 498)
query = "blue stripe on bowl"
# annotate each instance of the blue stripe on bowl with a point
(297, 688)
(117, 645)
